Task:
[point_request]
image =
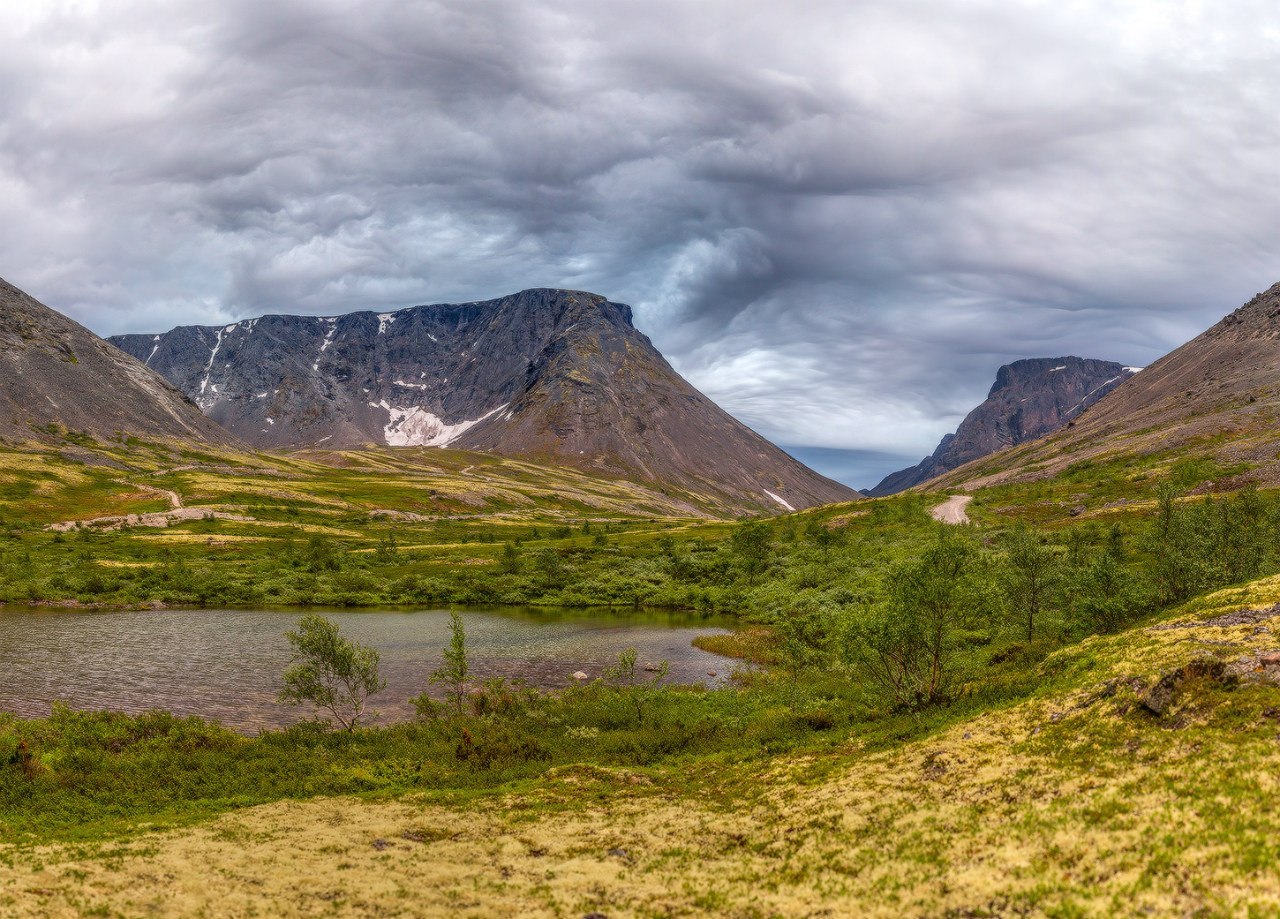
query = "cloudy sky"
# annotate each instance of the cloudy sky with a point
(835, 218)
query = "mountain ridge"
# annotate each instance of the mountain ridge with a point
(1217, 395)
(557, 375)
(1030, 398)
(55, 372)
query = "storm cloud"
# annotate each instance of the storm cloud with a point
(836, 218)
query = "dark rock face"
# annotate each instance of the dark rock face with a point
(557, 375)
(54, 371)
(1030, 398)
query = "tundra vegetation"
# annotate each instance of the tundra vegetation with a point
(1023, 652)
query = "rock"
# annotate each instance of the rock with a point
(381, 844)
(1159, 697)
(579, 675)
(1077, 510)
(652, 668)
(711, 673)
(1270, 659)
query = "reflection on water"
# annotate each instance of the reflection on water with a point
(226, 665)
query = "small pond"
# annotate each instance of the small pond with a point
(226, 664)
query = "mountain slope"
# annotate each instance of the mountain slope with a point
(54, 371)
(1030, 398)
(1218, 395)
(559, 375)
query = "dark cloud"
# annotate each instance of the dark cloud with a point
(836, 218)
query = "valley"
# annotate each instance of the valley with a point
(987, 701)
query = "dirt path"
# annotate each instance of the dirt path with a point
(952, 509)
(175, 500)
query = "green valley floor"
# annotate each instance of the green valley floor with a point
(1141, 781)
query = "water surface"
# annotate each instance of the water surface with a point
(226, 664)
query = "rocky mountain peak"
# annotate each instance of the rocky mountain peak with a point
(1030, 398)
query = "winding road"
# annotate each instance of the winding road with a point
(952, 509)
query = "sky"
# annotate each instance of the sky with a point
(837, 219)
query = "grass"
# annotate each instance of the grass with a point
(1048, 783)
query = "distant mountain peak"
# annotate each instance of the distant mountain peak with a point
(1030, 398)
(559, 375)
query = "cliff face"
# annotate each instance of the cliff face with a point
(1030, 398)
(558, 375)
(1216, 396)
(56, 372)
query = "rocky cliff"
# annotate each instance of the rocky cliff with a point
(1030, 398)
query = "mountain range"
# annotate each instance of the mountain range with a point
(561, 376)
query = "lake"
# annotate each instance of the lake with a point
(226, 664)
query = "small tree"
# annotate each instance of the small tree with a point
(909, 644)
(452, 674)
(509, 563)
(752, 543)
(550, 567)
(823, 536)
(319, 555)
(1028, 577)
(330, 672)
(624, 678)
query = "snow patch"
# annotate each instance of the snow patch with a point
(208, 371)
(1134, 369)
(1056, 369)
(783, 501)
(384, 320)
(412, 426)
(271, 421)
(324, 345)
(410, 385)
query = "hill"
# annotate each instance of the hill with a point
(560, 376)
(56, 374)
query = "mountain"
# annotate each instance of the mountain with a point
(1029, 399)
(56, 372)
(1216, 396)
(552, 374)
